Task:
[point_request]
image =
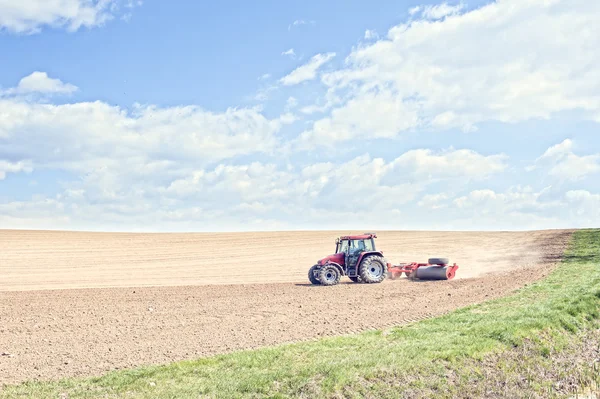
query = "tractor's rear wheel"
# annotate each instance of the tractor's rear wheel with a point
(373, 269)
(329, 275)
(311, 276)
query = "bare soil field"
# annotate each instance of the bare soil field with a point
(40, 260)
(75, 304)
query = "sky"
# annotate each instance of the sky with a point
(128, 115)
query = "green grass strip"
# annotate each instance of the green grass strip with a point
(373, 364)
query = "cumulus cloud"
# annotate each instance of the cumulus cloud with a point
(27, 17)
(39, 82)
(414, 10)
(95, 130)
(307, 71)
(441, 10)
(371, 34)
(463, 163)
(434, 201)
(562, 163)
(118, 153)
(586, 204)
(14, 167)
(371, 115)
(499, 62)
(523, 207)
(176, 168)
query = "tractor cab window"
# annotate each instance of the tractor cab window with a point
(342, 246)
(361, 245)
(351, 246)
(356, 245)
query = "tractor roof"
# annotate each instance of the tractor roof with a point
(365, 236)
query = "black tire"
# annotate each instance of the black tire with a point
(373, 269)
(329, 275)
(355, 279)
(438, 261)
(311, 276)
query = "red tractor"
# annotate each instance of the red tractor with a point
(357, 258)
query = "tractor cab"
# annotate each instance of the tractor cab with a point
(350, 244)
(353, 247)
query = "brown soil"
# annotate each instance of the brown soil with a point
(37, 260)
(47, 332)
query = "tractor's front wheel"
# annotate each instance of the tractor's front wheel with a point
(311, 276)
(329, 275)
(373, 269)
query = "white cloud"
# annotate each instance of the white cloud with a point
(414, 10)
(118, 153)
(564, 164)
(515, 200)
(585, 205)
(175, 166)
(14, 167)
(263, 93)
(441, 10)
(523, 207)
(371, 34)
(39, 82)
(307, 71)
(434, 201)
(228, 185)
(289, 52)
(323, 182)
(500, 62)
(300, 22)
(291, 103)
(31, 15)
(463, 163)
(287, 118)
(371, 115)
(120, 159)
(518, 206)
(311, 109)
(95, 130)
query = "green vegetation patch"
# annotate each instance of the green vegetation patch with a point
(464, 353)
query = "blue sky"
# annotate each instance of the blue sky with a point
(149, 116)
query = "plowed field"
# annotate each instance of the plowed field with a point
(76, 303)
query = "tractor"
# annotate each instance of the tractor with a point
(356, 257)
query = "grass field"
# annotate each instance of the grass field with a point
(539, 342)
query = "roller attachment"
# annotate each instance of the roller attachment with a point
(435, 272)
